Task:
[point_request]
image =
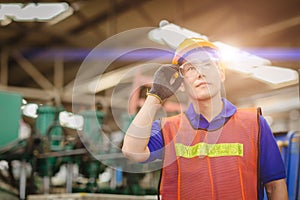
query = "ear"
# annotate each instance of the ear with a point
(221, 69)
(222, 74)
(182, 88)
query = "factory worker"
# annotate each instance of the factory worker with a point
(212, 150)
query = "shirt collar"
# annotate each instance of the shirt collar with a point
(199, 122)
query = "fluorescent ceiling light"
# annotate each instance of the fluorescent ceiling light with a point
(239, 60)
(41, 12)
(255, 66)
(275, 75)
(171, 35)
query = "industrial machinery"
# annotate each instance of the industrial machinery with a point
(62, 153)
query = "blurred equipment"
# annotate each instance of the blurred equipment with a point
(289, 145)
(62, 152)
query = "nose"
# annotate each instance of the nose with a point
(199, 72)
(199, 76)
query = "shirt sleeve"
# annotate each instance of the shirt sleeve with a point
(271, 163)
(156, 143)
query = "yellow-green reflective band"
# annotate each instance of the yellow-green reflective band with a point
(210, 150)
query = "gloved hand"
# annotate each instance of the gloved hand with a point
(166, 81)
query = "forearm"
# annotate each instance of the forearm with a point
(138, 134)
(276, 190)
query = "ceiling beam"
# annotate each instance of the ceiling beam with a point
(279, 26)
(84, 20)
(31, 93)
(59, 72)
(4, 68)
(58, 78)
(145, 15)
(30, 69)
(102, 17)
(23, 30)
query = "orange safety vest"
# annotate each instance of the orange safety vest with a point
(222, 164)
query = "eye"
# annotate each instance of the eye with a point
(206, 65)
(189, 67)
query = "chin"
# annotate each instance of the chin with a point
(201, 97)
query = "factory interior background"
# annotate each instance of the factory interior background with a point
(73, 76)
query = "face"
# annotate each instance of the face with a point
(202, 75)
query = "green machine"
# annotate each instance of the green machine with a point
(10, 109)
(92, 138)
(12, 147)
(47, 127)
(50, 146)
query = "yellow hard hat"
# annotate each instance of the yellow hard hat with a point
(190, 44)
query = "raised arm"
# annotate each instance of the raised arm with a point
(135, 145)
(138, 134)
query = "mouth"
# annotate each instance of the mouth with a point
(201, 84)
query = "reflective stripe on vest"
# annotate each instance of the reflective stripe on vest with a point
(210, 150)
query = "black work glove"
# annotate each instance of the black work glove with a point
(166, 82)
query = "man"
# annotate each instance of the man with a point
(213, 150)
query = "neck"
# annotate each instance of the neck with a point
(209, 108)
